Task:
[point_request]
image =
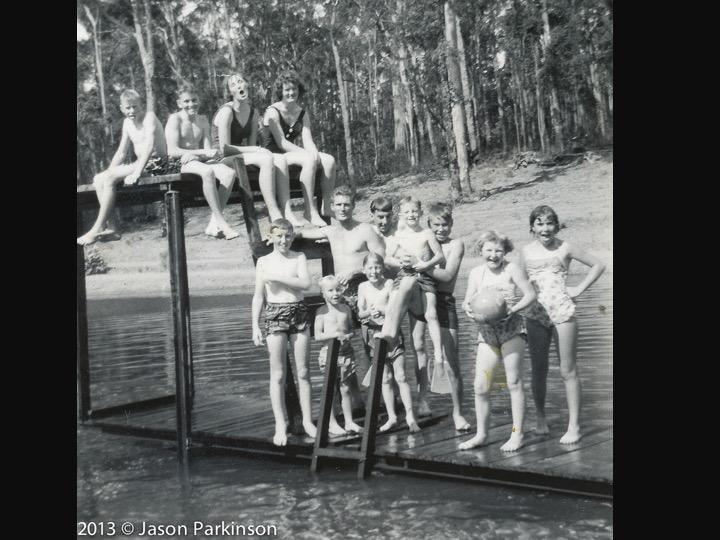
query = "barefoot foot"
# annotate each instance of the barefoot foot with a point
(572, 436)
(353, 427)
(212, 230)
(87, 238)
(423, 409)
(391, 423)
(280, 438)
(229, 233)
(412, 425)
(310, 429)
(477, 440)
(460, 423)
(541, 426)
(335, 429)
(514, 443)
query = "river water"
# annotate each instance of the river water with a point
(136, 480)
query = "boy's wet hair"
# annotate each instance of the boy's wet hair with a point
(327, 279)
(226, 82)
(281, 223)
(543, 211)
(129, 95)
(440, 210)
(381, 204)
(373, 257)
(344, 191)
(185, 88)
(410, 200)
(288, 76)
(494, 236)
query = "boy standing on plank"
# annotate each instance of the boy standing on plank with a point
(143, 131)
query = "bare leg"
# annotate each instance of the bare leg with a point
(282, 189)
(539, 338)
(301, 350)
(417, 330)
(486, 360)
(396, 309)
(512, 352)
(388, 398)
(266, 178)
(211, 195)
(307, 179)
(350, 425)
(405, 393)
(105, 191)
(277, 347)
(328, 181)
(567, 348)
(433, 326)
(450, 352)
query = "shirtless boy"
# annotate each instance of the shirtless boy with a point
(334, 320)
(373, 296)
(143, 131)
(280, 279)
(188, 137)
(445, 275)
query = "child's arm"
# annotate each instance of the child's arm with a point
(469, 293)
(452, 267)
(302, 281)
(596, 270)
(257, 304)
(438, 256)
(362, 304)
(349, 332)
(122, 147)
(518, 275)
(320, 333)
(146, 148)
(172, 136)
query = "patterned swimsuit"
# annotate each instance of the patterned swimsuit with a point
(498, 333)
(554, 305)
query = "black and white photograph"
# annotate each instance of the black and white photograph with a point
(344, 269)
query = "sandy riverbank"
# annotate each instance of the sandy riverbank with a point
(582, 195)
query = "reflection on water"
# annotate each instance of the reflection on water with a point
(123, 478)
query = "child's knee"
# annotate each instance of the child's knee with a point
(303, 373)
(226, 176)
(514, 383)
(431, 315)
(481, 386)
(400, 377)
(568, 375)
(277, 377)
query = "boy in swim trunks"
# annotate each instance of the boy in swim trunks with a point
(188, 138)
(373, 296)
(415, 251)
(280, 279)
(334, 320)
(143, 131)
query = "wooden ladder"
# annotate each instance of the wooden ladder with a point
(365, 455)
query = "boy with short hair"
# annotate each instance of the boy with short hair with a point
(143, 131)
(381, 211)
(280, 279)
(373, 296)
(188, 138)
(334, 320)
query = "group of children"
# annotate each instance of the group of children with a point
(281, 138)
(410, 269)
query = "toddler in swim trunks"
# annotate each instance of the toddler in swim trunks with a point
(280, 279)
(373, 297)
(334, 321)
(503, 339)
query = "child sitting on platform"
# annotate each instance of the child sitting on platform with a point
(373, 297)
(188, 138)
(280, 279)
(334, 320)
(144, 132)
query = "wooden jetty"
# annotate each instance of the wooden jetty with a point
(232, 423)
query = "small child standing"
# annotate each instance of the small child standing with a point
(502, 339)
(373, 296)
(280, 279)
(334, 320)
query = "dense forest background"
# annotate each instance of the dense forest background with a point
(392, 84)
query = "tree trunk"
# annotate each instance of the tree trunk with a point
(554, 102)
(455, 95)
(599, 99)
(170, 39)
(430, 132)
(398, 116)
(95, 23)
(372, 108)
(455, 185)
(501, 110)
(539, 101)
(147, 52)
(343, 106)
(228, 34)
(467, 94)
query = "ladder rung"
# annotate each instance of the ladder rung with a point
(344, 453)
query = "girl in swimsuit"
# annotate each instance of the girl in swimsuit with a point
(286, 127)
(503, 339)
(546, 261)
(235, 130)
